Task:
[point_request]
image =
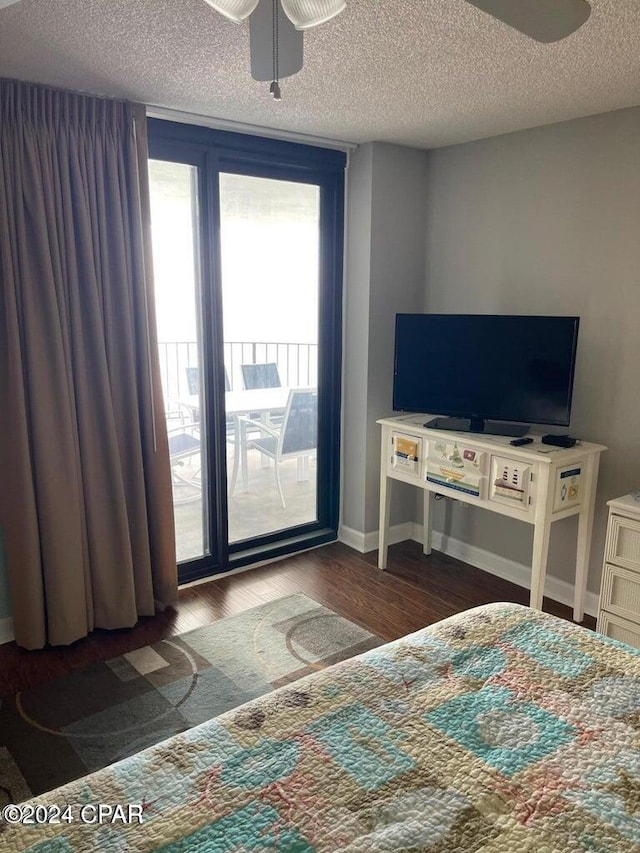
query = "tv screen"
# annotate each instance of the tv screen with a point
(485, 367)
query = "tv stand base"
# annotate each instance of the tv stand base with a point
(478, 425)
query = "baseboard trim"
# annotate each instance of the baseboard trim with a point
(6, 630)
(365, 542)
(494, 564)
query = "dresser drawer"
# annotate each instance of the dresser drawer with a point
(623, 542)
(620, 592)
(619, 629)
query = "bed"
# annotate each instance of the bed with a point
(502, 730)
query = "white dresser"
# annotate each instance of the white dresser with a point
(619, 612)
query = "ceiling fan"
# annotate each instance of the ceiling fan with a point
(277, 26)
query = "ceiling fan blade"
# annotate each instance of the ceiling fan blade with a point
(290, 43)
(5, 3)
(543, 20)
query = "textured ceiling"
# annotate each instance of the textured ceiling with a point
(416, 72)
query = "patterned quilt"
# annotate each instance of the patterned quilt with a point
(502, 730)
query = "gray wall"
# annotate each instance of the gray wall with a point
(385, 271)
(356, 336)
(547, 221)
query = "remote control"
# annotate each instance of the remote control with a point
(518, 442)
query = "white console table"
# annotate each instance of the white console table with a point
(537, 483)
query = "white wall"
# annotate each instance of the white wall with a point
(547, 221)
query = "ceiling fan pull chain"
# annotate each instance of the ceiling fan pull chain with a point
(274, 88)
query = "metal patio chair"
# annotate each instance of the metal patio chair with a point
(295, 439)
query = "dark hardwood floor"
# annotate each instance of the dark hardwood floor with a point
(415, 591)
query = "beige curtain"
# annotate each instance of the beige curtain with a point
(85, 490)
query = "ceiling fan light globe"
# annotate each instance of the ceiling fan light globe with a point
(305, 14)
(234, 10)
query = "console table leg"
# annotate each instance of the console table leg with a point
(385, 509)
(426, 522)
(541, 536)
(585, 530)
(539, 563)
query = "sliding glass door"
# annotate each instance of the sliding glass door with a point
(270, 241)
(247, 237)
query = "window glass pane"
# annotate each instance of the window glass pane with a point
(174, 215)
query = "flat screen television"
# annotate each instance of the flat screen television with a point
(479, 369)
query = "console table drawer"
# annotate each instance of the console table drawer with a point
(620, 592)
(510, 482)
(458, 466)
(407, 452)
(619, 629)
(623, 542)
(457, 479)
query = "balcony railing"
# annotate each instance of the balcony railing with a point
(297, 364)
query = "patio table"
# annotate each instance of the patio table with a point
(260, 401)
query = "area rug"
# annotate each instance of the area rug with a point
(74, 725)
